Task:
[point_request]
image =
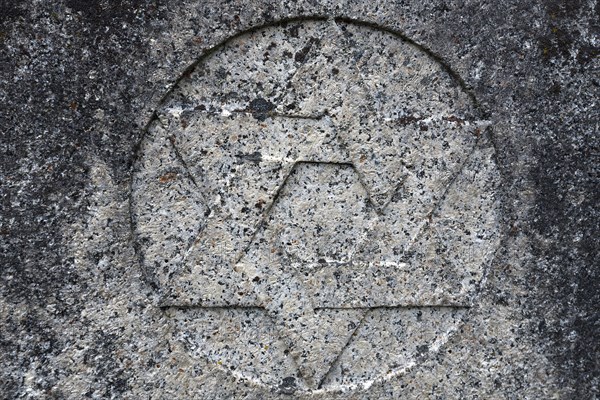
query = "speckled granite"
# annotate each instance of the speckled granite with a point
(332, 175)
(299, 200)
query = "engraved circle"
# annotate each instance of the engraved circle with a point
(315, 204)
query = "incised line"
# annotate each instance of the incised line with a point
(339, 355)
(438, 204)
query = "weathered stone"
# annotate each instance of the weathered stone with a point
(299, 200)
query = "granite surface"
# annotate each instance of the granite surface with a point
(333, 199)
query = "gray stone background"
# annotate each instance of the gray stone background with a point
(81, 79)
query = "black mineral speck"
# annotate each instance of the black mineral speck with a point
(260, 108)
(288, 385)
(254, 157)
(300, 56)
(423, 349)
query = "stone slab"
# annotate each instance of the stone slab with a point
(299, 199)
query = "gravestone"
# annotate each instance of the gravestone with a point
(300, 201)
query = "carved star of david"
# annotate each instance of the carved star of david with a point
(341, 198)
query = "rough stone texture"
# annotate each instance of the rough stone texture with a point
(332, 175)
(82, 83)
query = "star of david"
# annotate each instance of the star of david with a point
(322, 213)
